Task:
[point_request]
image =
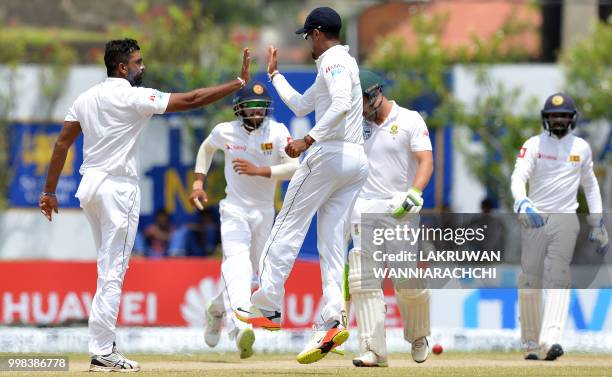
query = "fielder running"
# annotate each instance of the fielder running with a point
(398, 138)
(554, 163)
(326, 183)
(112, 116)
(255, 158)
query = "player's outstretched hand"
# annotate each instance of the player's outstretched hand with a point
(246, 63)
(48, 205)
(296, 147)
(245, 167)
(198, 196)
(272, 59)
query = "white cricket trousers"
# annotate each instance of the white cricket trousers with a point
(244, 232)
(112, 213)
(545, 263)
(326, 183)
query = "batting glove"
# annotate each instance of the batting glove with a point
(529, 216)
(600, 234)
(412, 203)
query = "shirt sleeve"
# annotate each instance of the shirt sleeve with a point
(523, 168)
(589, 183)
(300, 104)
(71, 115)
(284, 138)
(337, 77)
(149, 101)
(419, 136)
(205, 154)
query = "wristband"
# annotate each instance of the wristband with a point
(271, 75)
(242, 82)
(51, 194)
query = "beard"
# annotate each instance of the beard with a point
(134, 77)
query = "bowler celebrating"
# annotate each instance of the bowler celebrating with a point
(112, 116)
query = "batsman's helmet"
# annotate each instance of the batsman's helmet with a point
(254, 96)
(371, 87)
(563, 105)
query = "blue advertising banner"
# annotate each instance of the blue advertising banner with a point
(30, 149)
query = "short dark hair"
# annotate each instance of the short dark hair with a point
(118, 51)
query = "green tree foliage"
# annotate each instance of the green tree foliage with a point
(588, 66)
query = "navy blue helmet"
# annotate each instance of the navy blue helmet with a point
(252, 104)
(559, 114)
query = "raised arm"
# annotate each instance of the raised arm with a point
(204, 96)
(300, 104)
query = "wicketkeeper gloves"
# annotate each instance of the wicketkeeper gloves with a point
(599, 234)
(529, 216)
(411, 204)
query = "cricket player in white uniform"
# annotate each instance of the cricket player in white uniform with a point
(326, 183)
(554, 163)
(255, 158)
(112, 116)
(400, 166)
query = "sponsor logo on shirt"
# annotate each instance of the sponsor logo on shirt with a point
(334, 69)
(155, 95)
(234, 147)
(574, 158)
(425, 133)
(542, 156)
(522, 152)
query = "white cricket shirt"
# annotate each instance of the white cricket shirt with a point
(264, 146)
(335, 97)
(112, 115)
(390, 149)
(555, 168)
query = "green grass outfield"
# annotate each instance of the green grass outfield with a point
(459, 364)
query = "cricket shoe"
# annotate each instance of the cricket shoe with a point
(532, 350)
(214, 321)
(269, 320)
(244, 342)
(551, 353)
(322, 343)
(370, 359)
(420, 349)
(113, 362)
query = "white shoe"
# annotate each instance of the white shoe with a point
(212, 333)
(551, 353)
(322, 343)
(113, 362)
(420, 349)
(532, 351)
(370, 359)
(244, 342)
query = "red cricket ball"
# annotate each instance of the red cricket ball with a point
(437, 349)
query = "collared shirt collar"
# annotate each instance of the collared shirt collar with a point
(118, 81)
(334, 48)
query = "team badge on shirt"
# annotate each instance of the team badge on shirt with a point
(367, 131)
(394, 129)
(574, 158)
(266, 148)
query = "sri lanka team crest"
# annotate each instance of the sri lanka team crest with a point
(367, 131)
(266, 148)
